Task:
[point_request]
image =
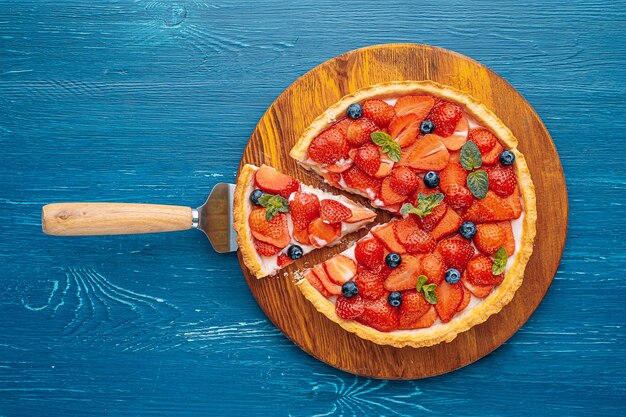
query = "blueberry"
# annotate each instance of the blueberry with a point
(393, 260)
(431, 179)
(507, 158)
(467, 230)
(427, 126)
(395, 299)
(255, 195)
(294, 252)
(354, 111)
(349, 289)
(453, 276)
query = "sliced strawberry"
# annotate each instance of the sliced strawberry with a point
(420, 106)
(453, 174)
(405, 276)
(379, 112)
(413, 307)
(459, 197)
(388, 195)
(467, 297)
(332, 178)
(340, 166)
(479, 271)
(490, 209)
(427, 153)
(304, 208)
(330, 286)
(502, 180)
(433, 267)
(484, 139)
(489, 237)
(509, 239)
(479, 291)
(380, 315)
(445, 116)
(275, 232)
(265, 249)
(422, 188)
(359, 131)
(329, 147)
(449, 224)
(370, 284)
(349, 308)
(456, 252)
(369, 253)
(404, 129)
(430, 221)
(342, 125)
(359, 214)
(386, 165)
(515, 203)
(456, 140)
(493, 156)
(321, 234)
(301, 235)
(274, 182)
(314, 280)
(340, 269)
(283, 260)
(367, 158)
(403, 181)
(414, 239)
(449, 297)
(332, 211)
(356, 178)
(428, 319)
(387, 237)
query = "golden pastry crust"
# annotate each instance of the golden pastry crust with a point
(503, 294)
(240, 222)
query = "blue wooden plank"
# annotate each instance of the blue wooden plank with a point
(153, 101)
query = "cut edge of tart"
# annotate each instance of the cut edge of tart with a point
(505, 291)
(315, 231)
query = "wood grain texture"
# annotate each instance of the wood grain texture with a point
(105, 101)
(294, 110)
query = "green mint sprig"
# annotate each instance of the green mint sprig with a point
(273, 204)
(425, 204)
(388, 145)
(499, 262)
(427, 289)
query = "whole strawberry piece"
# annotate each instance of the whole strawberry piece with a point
(370, 284)
(349, 308)
(369, 253)
(359, 131)
(456, 252)
(304, 208)
(379, 112)
(380, 315)
(479, 271)
(329, 147)
(483, 138)
(367, 158)
(502, 180)
(413, 307)
(333, 211)
(445, 116)
(403, 180)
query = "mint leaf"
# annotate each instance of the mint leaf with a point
(273, 204)
(429, 293)
(425, 204)
(421, 280)
(388, 145)
(499, 263)
(478, 183)
(470, 156)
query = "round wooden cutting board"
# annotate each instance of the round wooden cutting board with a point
(309, 96)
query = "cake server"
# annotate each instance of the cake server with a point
(214, 218)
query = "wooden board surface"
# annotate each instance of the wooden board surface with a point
(309, 96)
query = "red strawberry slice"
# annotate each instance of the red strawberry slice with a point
(314, 280)
(380, 315)
(283, 260)
(427, 320)
(386, 165)
(405, 276)
(349, 308)
(340, 269)
(493, 156)
(420, 106)
(301, 235)
(459, 197)
(387, 237)
(388, 195)
(413, 307)
(332, 178)
(359, 131)
(449, 297)
(430, 221)
(321, 234)
(403, 181)
(479, 291)
(483, 138)
(453, 174)
(333, 211)
(433, 267)
(357, 179)
(427, 153)
(369, 253)
(265, 249)
(509, 239)
(456, 252)
(489, 237)
(479, 271)
(490, 209)
(502, 180)
(274, 182)
(342, 125)
(329, 147)
(370, 284)
(449, 224)
(445, 116)
(467, 297)
(404, 129)
(456, 140)
(367, 158)
(359, 214)
(275, 232)
(330, 286)
(414, 239)
(514, 202)
(339, 166)
(378, 111)
(304, 208)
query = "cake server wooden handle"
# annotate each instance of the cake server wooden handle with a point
(89, 219)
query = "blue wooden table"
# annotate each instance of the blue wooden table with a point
(153, 101)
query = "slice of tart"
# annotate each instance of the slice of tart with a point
(451, 169)
(278, 219)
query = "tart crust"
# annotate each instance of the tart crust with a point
(503, 294)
